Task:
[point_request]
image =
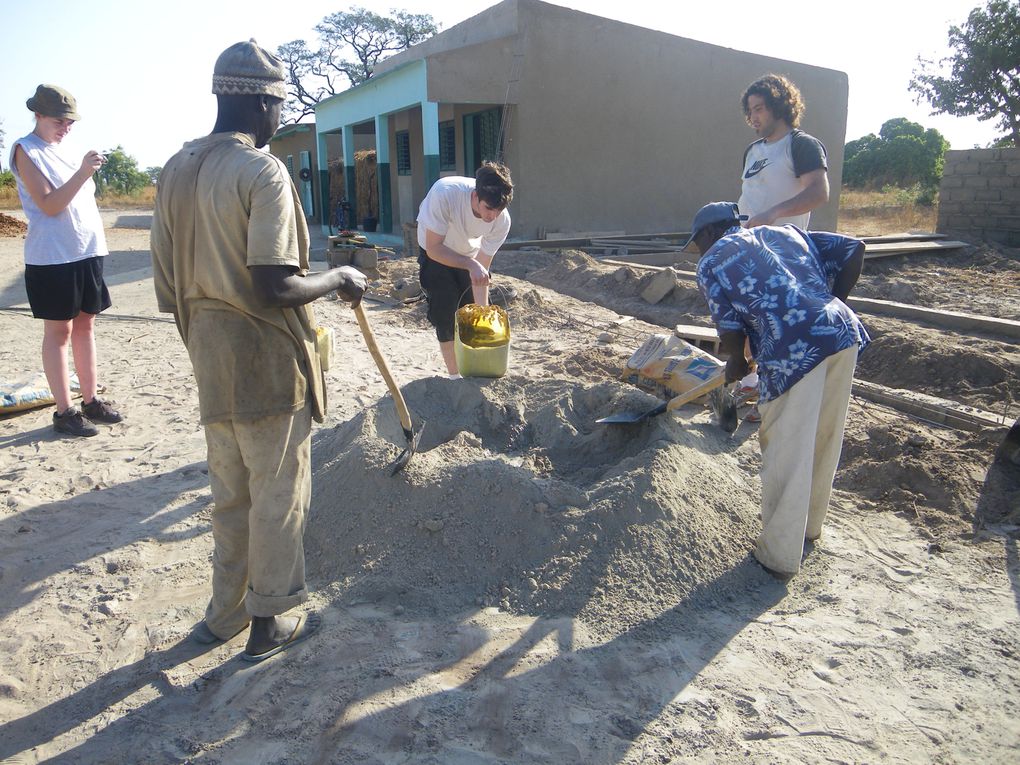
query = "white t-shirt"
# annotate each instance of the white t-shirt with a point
(76, 232)
(772, 174)
(446, 210)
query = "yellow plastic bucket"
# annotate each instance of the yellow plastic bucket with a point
(485, 349)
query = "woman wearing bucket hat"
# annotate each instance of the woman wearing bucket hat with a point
(64, 252)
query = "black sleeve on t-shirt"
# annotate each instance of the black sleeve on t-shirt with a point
(743, 161)
(808, 153)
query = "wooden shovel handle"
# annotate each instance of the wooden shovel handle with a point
(696, 392)
(384, 369)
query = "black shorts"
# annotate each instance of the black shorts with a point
(63, 291)
(447, 289)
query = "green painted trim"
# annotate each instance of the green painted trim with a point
(324, 197)
(382, 175)
(431, 169)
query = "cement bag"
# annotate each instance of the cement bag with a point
(28, 393)
(481, 342)
(667, 365)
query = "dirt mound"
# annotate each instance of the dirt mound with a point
(517, 499)
(582, 276)
(10, 226)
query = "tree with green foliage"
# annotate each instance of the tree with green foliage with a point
(351, 44)
(903, 154)
(120, 174)
(984, 70)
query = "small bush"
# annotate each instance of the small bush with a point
(7, 180)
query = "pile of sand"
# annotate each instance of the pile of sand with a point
(12, 226)
(518, 499)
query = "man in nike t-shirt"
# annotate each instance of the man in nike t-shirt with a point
(785, 173)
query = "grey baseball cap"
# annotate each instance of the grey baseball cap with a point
(714, 212)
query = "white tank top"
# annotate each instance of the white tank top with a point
(76, 232)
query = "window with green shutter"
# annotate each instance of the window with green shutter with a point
(403, 152)
(447, 146)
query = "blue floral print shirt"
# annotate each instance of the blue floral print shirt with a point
(774, 284)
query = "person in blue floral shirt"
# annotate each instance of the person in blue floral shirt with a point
(785, 290)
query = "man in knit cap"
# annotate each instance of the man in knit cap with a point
(230, 262)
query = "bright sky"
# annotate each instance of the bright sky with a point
(141, 71)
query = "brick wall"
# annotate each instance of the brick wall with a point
(979, 196)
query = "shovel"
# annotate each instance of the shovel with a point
(667, 406)
(410, 434)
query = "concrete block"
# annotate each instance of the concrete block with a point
(956, 222)
(992, 169)
(365, 257)
(951, 182)
(1011, 194)
(1002, 182)
(1013, 169)
(339, 256)
(968, 168)
(975, 182)
(659, 286)
(987, 195)
(1007, 222)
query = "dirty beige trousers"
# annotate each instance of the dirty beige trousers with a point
(260, 473)
(801, 437)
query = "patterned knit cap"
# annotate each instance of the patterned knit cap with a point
(245, 69)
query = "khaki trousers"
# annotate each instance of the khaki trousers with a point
(260, 473)
(801, 437)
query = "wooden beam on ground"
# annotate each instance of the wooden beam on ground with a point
(932, 408)
(904, 237)
(888, 249)
(956, 320)
(660, 259)
(583, 241)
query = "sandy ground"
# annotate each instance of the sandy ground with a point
(533, 588)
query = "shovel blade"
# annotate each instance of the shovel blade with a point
(630, 418)
(413, 437)
(724, 405)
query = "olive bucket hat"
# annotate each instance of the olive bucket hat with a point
(51, 101)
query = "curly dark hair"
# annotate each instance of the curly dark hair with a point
(781, 97)
(493, 185)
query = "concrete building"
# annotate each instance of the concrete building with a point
(296, 146)
(605, 126)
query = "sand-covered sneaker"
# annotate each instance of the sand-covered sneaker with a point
(73, 423)
(98, 410)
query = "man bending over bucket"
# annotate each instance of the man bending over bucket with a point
(786, 291)
(462, 222)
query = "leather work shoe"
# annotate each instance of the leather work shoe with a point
(98, 410)
(73, 423)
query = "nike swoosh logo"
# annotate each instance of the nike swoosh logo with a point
(756, 168)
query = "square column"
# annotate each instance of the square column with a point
(430, 141)
(382, 158)
(350, 183)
